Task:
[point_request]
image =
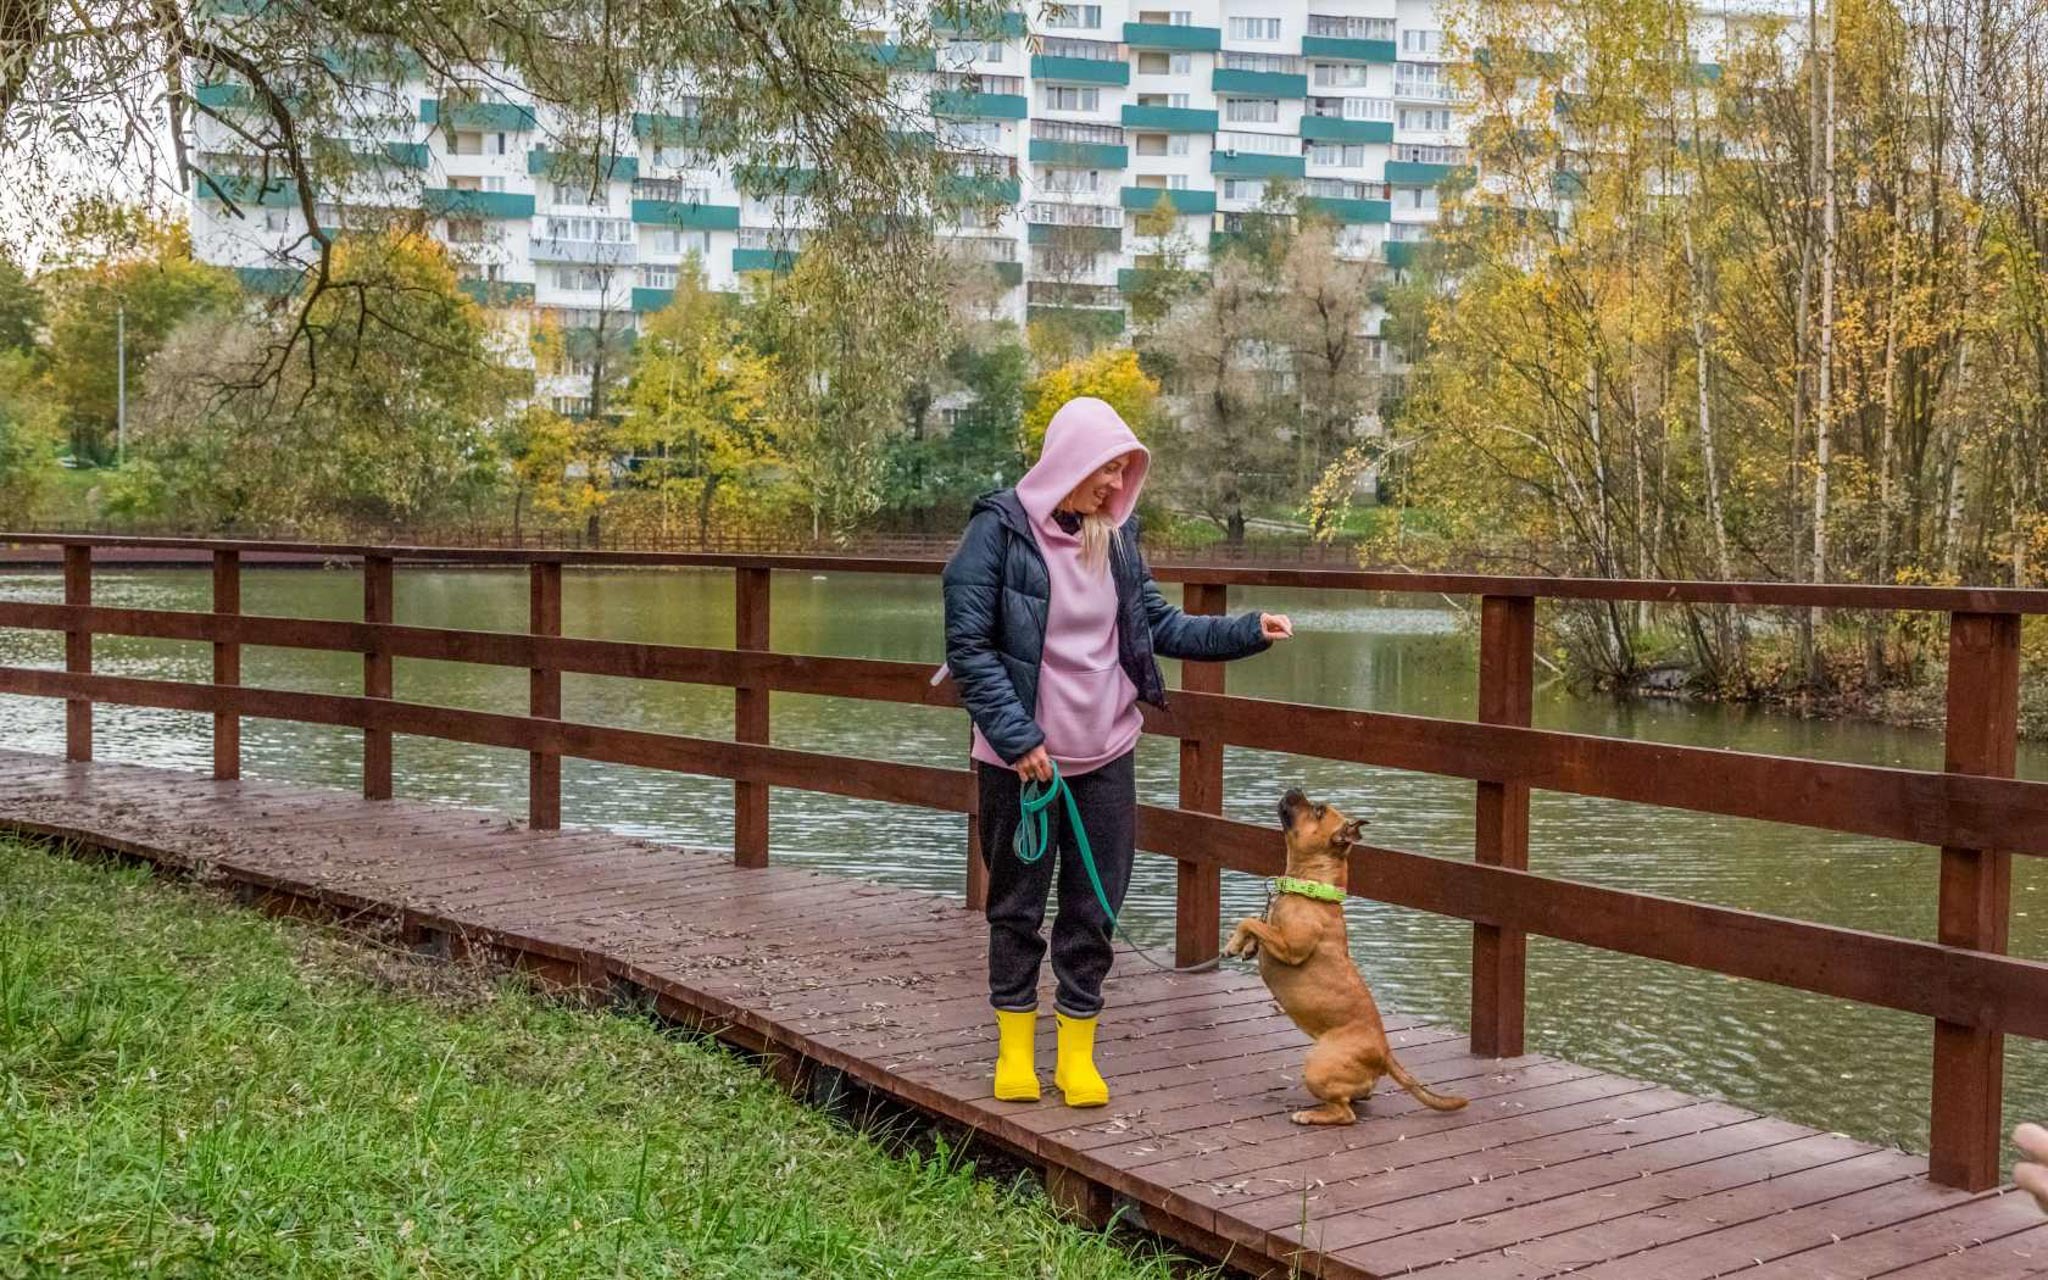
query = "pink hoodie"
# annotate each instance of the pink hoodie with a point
(1087, 706)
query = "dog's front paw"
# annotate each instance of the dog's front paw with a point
(1243, 944)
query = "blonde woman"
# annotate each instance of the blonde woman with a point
(1052, 627)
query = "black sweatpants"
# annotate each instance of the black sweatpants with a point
(1108, 801)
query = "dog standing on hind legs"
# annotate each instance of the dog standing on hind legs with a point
(1305, 959)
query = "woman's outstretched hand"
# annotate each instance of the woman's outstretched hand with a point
(1275, 626)
(2032, 1175)
(1034, 765)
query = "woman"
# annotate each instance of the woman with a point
(1052, 624)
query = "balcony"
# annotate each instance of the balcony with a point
(1425, 90)
(1075, 238)
(667, 130)
(574, 167)
(496, 293)
(1253, 164)
(222, 97)
(1401, 253)
(1160, 35)
(681, 213)
(452, 202)
(646, 299)
(248, 191)
(980, 188)
(897, 57)
(1259, 84)
(1345, 49)
(745, 260)
(1350, 212)
(1336, 129)
(1008, 25)
(1183, 201)
(1169, 119)
(1080, 62)
(1079, 155)
(1105, 325)
(270, 281)
(590, 253)
(969, 104)
(490, 117)
(1413, 173)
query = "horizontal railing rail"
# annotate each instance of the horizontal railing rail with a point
(1973, 810)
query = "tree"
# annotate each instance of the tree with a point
(1232, 387)
(394, 430)
(21, 308)
(1325, 302)
(1111, 375)
(698, 409)
(558, 466)
(148, 287)
(847, 354)
(29, 433)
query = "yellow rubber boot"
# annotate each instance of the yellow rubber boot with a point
(1074, 1073)
(1016, 1059)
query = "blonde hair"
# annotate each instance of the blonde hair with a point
(1096, 531)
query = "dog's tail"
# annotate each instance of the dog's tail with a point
(1422, 1093)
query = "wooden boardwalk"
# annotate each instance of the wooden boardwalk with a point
(1555, 1168)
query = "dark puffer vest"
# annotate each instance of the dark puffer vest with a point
(999, 594)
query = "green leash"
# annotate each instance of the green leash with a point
(1034, 839)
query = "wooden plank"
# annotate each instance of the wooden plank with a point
(751, 595)
(377, 607)
(1966, 1131)
(227, 665)
(1500, 956)
(78, 653)
(1198, 886)
(544, 698)
(2024, 1253)
(1936, 1235)
(1735, 1209)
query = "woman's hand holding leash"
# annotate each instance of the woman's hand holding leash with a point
(1275, 626)
(1034, 765)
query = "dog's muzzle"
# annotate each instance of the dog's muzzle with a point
(1290, 802)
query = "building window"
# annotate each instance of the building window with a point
(1165, 64)
(1251, 110)
(571, 406)
(1339, 75)
(1064, 97)
(676, 240)
(1074, 17)
(1267, 144)
(1070, 181)
(1416, 198)
(1167, 17)
(1285, 64)
(657, 277)
(958, 53)
(1351, 28)
(1422, 43)
(276, 220)
(1430, 155)
(1433, 119)
(970, 135)
(584, 194)
(588, 230)
(1335, 156)
(583, 279)
(1263, 29)
(467, 231)
(672, 190)
(1251, 189)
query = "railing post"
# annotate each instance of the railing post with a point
(1198, 901)
(377, 677)
(1507, 648)
(78, 653)
(544, 697)
(227, 666)
(1976, 899)
(750, 718)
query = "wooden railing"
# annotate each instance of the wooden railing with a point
(1974, 811)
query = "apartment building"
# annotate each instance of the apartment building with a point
(1079, 118)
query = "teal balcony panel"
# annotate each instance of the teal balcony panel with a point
(406, 155)
(1413, 173)
(1010, 273)
(965, 104)
(497, 293)
(999, 26)
(1183, 201)
(747, 260)
(765, 180)
(662, 129)
(698, 217)
(540, 160)
(1254, 164)
(1134, 279)
(1349, 211)
(1401, 253)
(645, 299)
(1102, 324)
(975, 189)
(1333, 129)
(1076, 239)
(1259, 84)
(1079, 155)
(1080, 70)
(1160, 35)
(1568, 184)
(1343, 49)
(447, 202)
(1169, 119)
(222, 96)
(898, 57)
(273, 281)
(249, 192)
(505, 117)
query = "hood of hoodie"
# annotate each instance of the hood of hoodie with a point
(1085, 434)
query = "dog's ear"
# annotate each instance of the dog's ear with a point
(1351, 831)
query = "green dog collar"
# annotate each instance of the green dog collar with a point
(1308, 889)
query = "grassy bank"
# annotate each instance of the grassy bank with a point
(188, 1088)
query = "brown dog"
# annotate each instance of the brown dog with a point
(1306, 961)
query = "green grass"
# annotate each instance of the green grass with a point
(188, 1088)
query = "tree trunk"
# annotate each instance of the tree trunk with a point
(1824, 415)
